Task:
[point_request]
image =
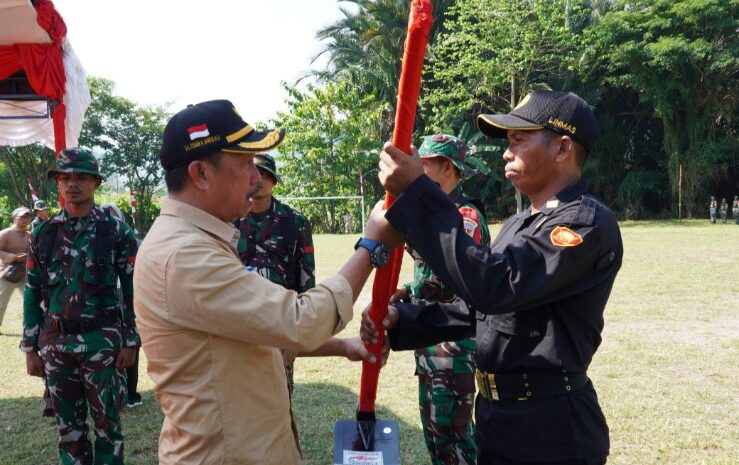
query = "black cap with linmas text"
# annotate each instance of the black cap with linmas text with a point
(210, 127)
(561, 112)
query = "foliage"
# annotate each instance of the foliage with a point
(106, 195)
(681, 57)
(129, 137)
(365, 47)
(494, 51)
(640, 190)
(29, 162)
(332, 135)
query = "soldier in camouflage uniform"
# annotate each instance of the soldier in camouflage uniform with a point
(74, 331)
(735, 209)
(276, 242)
(712, 208)
(42, 213)
(446, 383)
(723, 210)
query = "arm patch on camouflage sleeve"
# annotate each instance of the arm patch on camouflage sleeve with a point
(471, 223)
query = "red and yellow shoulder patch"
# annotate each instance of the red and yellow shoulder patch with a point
(565, 237)
(471, 223)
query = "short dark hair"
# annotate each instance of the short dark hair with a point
(176, 179)
(581, 153)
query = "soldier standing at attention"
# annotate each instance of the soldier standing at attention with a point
(348, 223)
(446, 371)
(42, 213)
(723, 210)
(712, 207)
(74, 332)
(735, 209)
(536, 294)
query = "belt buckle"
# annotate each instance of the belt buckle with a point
(493, 386)
(486, 383)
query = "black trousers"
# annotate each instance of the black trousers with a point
(132, 376)
(492, 461)
(485, 458)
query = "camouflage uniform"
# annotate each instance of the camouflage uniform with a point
(38, 205)
(446, 383)
(723, 210)
(712, 207)
(73, 317)
(278, 244)
(735, 209)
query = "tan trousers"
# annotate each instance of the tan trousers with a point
(6, 290)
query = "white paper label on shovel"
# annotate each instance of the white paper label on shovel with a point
(353, 457)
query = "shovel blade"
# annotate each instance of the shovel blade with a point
(366, 443)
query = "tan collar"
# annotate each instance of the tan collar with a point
(203, 220)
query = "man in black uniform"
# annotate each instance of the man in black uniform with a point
(539, 290)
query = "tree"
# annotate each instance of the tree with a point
(332, 136)
(129, 138)
(20, 164)
(366, 48)
(681, 57)
(493, 52)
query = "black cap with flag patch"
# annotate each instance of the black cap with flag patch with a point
(561, 112)
(210, 127)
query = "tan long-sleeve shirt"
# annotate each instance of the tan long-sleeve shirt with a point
(211, 332)
(12, 242)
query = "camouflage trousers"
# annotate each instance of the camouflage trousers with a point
(79, 380)
(288, 358)
(446, 394)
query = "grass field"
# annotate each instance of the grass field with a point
(667, 372)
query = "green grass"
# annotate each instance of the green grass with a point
(666, 373)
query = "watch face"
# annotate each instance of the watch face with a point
(381, 255)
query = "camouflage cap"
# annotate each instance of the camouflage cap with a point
(443, 145)
(267, 163)
(40, 205)
(76, 160)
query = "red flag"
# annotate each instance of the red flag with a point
(34, 196)
(386, 278)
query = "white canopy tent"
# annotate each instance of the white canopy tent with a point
(43, 87)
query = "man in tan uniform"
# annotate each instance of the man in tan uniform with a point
(213, 350)
(13, 246)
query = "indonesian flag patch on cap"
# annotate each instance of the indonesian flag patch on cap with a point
(198, 132)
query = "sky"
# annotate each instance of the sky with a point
(185, 51)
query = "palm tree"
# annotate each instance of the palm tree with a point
(366, 47)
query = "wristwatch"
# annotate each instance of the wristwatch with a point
(378, 252)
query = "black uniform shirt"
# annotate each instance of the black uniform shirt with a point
(539, 291)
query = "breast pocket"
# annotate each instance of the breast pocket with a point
(530, 323)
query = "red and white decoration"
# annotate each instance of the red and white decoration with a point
(34, 39)
(34, 195)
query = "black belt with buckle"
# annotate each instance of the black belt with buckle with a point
(82, 325)
(524, 386)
